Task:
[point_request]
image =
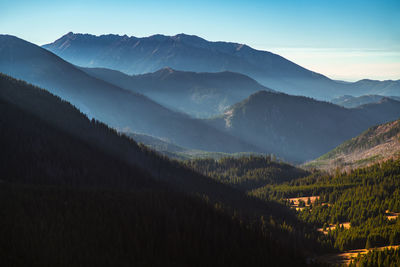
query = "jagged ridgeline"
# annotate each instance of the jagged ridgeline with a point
(75, 192)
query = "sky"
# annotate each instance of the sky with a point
(343, 39)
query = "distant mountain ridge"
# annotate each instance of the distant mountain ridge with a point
(134, 55)
(101, 48)
(349, 101)
(300, 128)
(198, 94)
(377, 144)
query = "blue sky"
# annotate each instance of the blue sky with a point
(347, 40)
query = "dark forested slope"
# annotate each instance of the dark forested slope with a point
(72, 194)
(63, 116)
(247, 172)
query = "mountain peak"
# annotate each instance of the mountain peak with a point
(7, 37)
(187, 37)
(69, 35)
(164, 71)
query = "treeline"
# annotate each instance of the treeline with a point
(247, 172)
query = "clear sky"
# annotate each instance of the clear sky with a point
(343, 39)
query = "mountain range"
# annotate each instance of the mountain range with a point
(349, 101)
(134, 55)
(292, 127)
(192, 93)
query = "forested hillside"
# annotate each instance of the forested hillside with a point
(247, 172)
(354, 210)
(63, 116)
(86, 195)
(350, 211)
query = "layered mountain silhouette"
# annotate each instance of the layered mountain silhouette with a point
(373, 87)
(292, 127)
(134, 55)
(349, 101)
(300, 128)
(108, 103)
(57, 120)
(377, 144)
(198, 94)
